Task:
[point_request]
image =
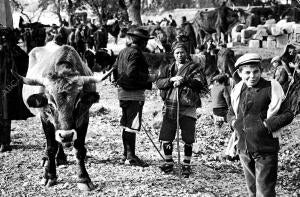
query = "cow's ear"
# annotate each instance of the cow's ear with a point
(37, 100)
(89, 98)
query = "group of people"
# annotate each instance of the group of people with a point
(256, 108)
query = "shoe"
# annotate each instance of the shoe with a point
(186, 171)
(167, 167)
(135, 161)
(5, 148)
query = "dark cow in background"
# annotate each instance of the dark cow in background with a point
(114, 29)
(104, 59)
(219, 20)
(60, 89)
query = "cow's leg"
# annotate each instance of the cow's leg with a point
(50, 176)
(61, 158)
(84, 182)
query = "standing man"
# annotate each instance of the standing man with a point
(172, 21)
(133, 79)
(184, 76)
(12, 57)
(189, 32)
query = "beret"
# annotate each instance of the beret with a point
(247, 58)
(275, 59)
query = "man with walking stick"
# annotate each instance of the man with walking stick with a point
(180, 84)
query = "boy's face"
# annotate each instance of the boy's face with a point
(250, 75)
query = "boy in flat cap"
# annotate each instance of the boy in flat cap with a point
(184, 76)
(133, 78)
(257, 111)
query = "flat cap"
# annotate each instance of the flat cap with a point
(247, 58)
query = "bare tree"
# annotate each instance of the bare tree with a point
(133, 10)
(23, 6)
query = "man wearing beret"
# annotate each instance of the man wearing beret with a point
(133, 78)
(257, 112)
(184, 76)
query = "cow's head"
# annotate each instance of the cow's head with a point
(64, 101)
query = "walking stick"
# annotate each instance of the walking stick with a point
(146, 131)
(177, 133)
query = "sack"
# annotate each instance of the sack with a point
(188, 97)
(231, 150)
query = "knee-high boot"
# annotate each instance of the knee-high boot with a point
(132, 159)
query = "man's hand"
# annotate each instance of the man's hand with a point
(176, 78)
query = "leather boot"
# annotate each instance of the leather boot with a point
(132, 159)
(124, 139)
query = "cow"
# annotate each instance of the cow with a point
(219, 20)
(60, 89)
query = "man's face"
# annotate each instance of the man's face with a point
(250, 75)
(180, 55)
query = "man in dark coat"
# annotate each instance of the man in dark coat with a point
(133, 79)
(189, 32)
(100, 38)
(11, 103)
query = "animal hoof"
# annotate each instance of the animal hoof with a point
(86, 186)
(48, 182)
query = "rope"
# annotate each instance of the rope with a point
(177, 132)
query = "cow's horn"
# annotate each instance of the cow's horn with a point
(233, 7)
(95, 79)
(28, 81)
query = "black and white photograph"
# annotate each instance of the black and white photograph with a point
(148, 98)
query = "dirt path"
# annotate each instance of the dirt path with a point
(20, 170)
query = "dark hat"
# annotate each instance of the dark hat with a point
(177, 45)
(248, 58)
(141, 33)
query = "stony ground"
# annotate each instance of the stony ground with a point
(21, 172)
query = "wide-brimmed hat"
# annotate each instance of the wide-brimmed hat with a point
(247, 58)
(141, 33)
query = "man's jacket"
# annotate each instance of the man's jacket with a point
(132, 72)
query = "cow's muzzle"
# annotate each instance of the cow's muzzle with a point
(65, 136)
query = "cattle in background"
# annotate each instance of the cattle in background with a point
(292, 14)
(60, 90)
(104, 59)
(114, 29)
(225, 63)
(34, 34)
(219, 20)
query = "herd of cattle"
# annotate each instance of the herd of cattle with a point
(60, 88)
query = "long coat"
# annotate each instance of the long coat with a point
(11, 57)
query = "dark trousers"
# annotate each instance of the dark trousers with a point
(169, 126)
(260, 172)
(5, 127)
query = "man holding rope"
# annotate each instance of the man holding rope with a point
(179, 82)
(133, 78)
